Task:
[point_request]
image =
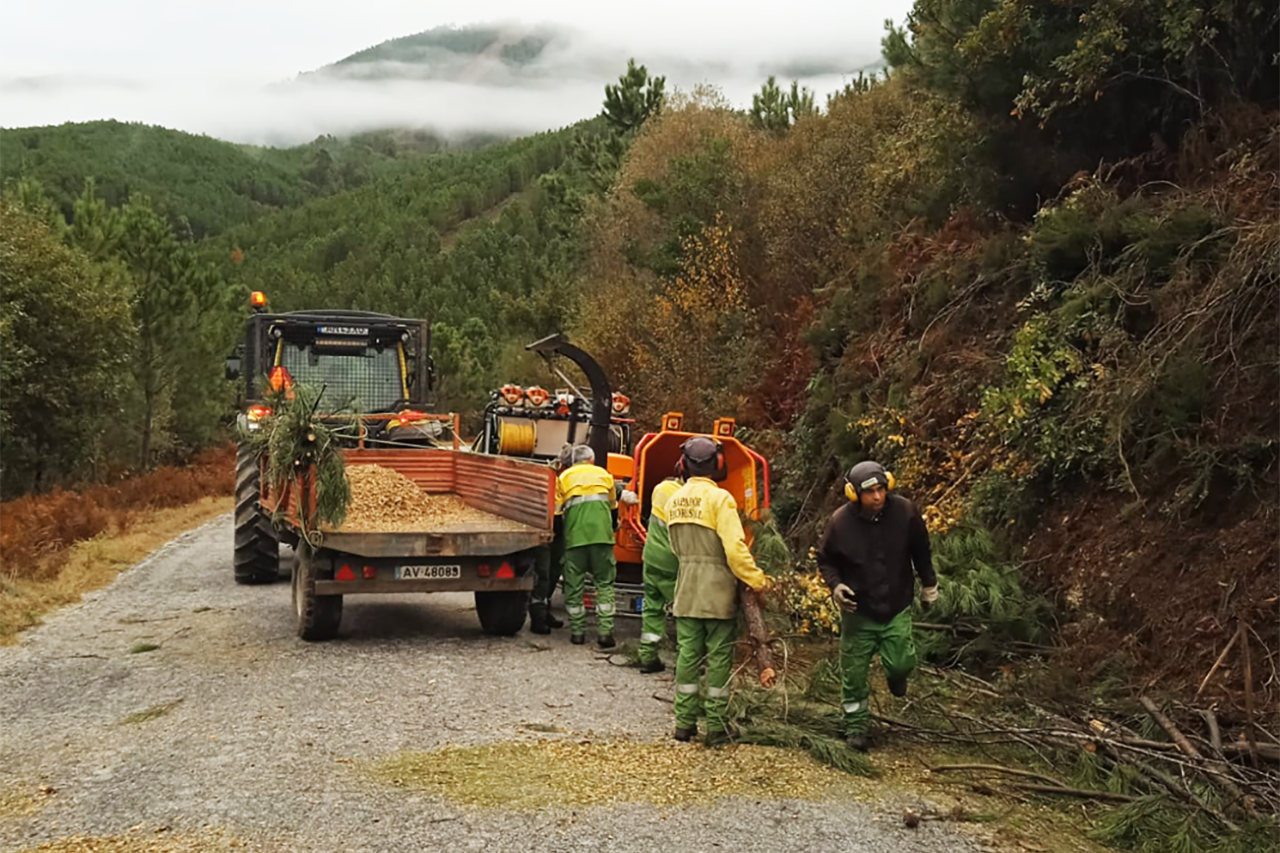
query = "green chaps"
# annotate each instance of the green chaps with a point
(659, 590)
(698, 640)
(598, 560)
(860, 639)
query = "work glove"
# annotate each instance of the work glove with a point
(629, 497)
(928, 595)
(845, 597)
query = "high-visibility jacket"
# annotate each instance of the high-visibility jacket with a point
(587, 496)
(657, 544)
(708, 540)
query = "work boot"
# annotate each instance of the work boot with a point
(720, 737)
(898, 686)
(552, 621)
(684, 735)
(858, 742)
(650, 666)
(606, 641)
(538, 620)
(577, 639)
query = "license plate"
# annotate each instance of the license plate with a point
(429, 573)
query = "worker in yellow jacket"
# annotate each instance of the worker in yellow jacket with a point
(659, 576)
(587, 496)
(708, 540)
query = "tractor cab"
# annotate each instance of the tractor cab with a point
(374, 366)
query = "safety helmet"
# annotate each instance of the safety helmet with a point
(697, 453)
(864, 475)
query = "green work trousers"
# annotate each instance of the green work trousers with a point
(860, 639)
(699, 640)
(659, 590)
(598, 561)
(550, 562)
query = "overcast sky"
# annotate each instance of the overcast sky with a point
(202, 66)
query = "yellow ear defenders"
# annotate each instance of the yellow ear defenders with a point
(852, 494)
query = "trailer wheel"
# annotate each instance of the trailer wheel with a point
(502, 613)
(257, 550)
(318, 616)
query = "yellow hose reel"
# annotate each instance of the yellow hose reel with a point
(516, 439)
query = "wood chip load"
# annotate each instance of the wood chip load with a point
(386, 501)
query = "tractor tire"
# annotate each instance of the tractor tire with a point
(257, 550)
(502, 614)
(318, 616)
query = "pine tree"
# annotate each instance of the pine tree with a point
(636, 97)
(800, 102)
(30, 197)
(769, 107)
(776, 111)
(165, 280)
(95, 228)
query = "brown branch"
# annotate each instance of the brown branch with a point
(997, 768)
(1248, 689)
(1167, 724)
(1217, 663)
(1265, 751)
(1215, 732)
(1213, 770)
(1074, 792)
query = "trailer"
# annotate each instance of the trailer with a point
(494, 559)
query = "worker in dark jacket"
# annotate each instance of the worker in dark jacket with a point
(870, 555)
(549, 564)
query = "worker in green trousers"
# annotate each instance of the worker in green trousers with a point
(870, 554)
(548, 565)
(711, 547)
(587, 496)
(659, 576)
(547, 568)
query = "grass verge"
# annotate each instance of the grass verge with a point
(90, 565)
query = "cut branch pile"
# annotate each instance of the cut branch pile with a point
(1185, 769)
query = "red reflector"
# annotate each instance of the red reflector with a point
(345, 573)
(483, 570)
(505, 571)
(370, 573)
(588, 600)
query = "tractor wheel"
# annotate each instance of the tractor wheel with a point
(257, 551)
(502, 613)
(318, 616)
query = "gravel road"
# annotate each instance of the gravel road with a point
(258, 734)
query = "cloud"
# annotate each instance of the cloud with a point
(565, 84)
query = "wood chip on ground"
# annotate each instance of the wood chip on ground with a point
(386, 501)
(571, 772)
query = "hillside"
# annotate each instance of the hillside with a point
(512, 54)
(447, 53)
(212, 183)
